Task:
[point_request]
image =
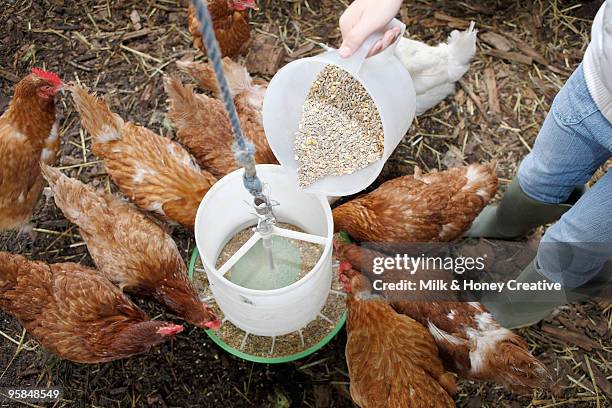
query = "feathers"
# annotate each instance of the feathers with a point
(435, 70)
(231, 26)
(96, 117)
(130, 249)
(75, 312)
(155, 172)
(469, 339)
(28, 134)
(435, 207)
(202, 124)
(392, 360)
(238, 78)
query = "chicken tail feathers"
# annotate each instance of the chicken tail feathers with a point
(71, 196)
(482, 180)
(181, 101)
(96, 117)
(51, 174)
(203, 74)
(194, 27)
(513, 366)
(238, 77)
(447, 381)
(462, 44)
(61, 186)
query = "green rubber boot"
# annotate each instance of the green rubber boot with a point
(517, 214)
(514, 309)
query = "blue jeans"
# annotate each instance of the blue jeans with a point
(575, 140)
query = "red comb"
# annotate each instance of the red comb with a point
(49, 76)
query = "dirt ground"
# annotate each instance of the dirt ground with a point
(495, 114)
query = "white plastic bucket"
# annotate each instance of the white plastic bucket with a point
(224, 212)
(383, 76)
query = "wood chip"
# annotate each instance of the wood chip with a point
(571, 337)
(600, 379)
(453, 22)
(531, 52)
(510, 56)
(323, 395)
(135, 18)
(303, 51)
(453, 157)
(474, 98)
(489, 77)
(264, 56)
(8, 75)
(140, 33)
(496, 40)
(567, 323)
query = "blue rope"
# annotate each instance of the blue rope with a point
(244, 150)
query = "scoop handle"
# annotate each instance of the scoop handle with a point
(354, 63)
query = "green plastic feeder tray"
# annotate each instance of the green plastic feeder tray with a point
(260, 359)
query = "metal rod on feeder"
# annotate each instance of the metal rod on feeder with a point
(244, 150)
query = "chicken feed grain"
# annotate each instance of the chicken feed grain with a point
(340, 131)
(280, 346)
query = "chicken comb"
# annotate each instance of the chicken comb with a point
(47, 75)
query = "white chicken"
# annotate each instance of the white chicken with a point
(435, 70)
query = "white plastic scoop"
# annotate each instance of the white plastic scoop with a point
(384, 78)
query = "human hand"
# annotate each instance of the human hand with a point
(364, 17)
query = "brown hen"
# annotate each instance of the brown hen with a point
(230, 21)
(392, 360)
(202, 124)
(471, 343)
(28, 135)
(435, 207)
(75, 312)
(129, 248)
(154, 172)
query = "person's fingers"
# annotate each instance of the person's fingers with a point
(354, 39)
(350, 18)
(390, 37)
(382, 44)
(378, 47)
